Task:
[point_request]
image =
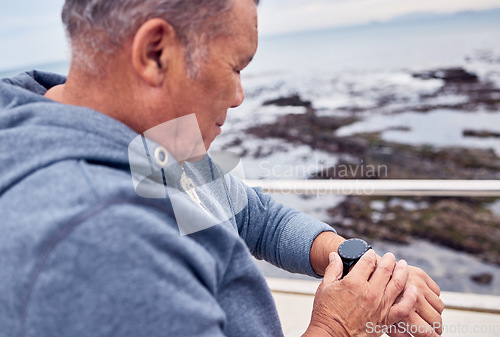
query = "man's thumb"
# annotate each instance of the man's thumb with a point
(333, 271)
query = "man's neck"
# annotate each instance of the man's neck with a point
(97, 94)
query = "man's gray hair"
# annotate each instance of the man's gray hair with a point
(101, 26)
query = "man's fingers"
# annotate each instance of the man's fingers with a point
(418, 273)
(365, 266)
(333, 271)
(398, 281)
(434, 301)
(404, 307)
(419, 328)
(432, 285)
(429, 306)
(383, 272)
(427, 312)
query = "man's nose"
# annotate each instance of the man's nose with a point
(239, 97)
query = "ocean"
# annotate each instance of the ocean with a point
(352, 67)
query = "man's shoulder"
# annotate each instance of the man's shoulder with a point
(34, 81)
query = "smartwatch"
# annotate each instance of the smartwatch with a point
(350, 252)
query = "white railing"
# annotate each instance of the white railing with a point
(416, 187)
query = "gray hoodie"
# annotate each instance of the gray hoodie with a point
(82, 254)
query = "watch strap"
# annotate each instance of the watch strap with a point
(346, 265)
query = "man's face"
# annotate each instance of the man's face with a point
(218, 85)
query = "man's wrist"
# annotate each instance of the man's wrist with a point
(322, 246)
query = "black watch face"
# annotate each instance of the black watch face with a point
(353, 249)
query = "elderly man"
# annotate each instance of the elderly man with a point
(84, 254)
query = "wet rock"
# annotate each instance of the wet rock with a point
(481, 133)
(448, 75)
(479, 94)
(318, 132)
(293, 100)
(398, 161)
(483, 279)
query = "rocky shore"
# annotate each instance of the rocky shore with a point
(465, 224)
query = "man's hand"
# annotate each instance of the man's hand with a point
(363, 300)
(429, 307)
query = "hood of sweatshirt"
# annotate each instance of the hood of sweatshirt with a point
(36, 132)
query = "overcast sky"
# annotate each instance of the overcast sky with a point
(280, 16)
(31, 32)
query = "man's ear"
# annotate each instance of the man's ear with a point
(153, 47)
